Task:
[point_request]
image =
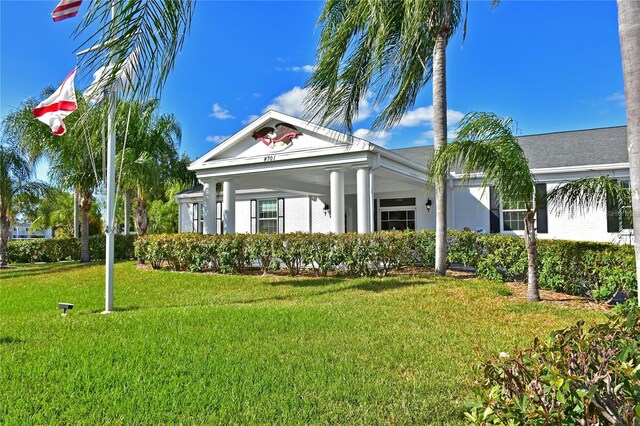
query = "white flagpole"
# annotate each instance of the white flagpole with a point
(111, 198)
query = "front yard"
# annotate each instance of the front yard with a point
(219, 349)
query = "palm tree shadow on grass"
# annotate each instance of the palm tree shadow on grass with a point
(6, 340)
(44, 269)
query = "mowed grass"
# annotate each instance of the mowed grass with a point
(215, 349)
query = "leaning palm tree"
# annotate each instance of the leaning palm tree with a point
(15, 179)
(629, 28)
(485, 144)
(391, 49)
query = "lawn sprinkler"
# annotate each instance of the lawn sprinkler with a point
(64, 306)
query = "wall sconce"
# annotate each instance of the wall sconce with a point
(327, 210)
(428, 204)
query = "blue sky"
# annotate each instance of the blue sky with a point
(551, 66)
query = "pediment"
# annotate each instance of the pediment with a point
(277, 133)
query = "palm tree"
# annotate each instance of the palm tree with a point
(629, 28)
(15, 179)
(54, 211)
(390, 49)
(150, 158)
(485, 144)
(75, 158)
(152, 30)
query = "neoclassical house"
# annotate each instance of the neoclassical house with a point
(284, 174)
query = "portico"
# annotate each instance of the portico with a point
(320, 181)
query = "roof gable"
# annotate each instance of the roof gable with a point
(275, 132)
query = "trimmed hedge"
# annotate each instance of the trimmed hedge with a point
(595, 270)
(55, 250)
(581, 375)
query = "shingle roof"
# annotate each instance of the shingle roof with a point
(194, 190)
(562, 149)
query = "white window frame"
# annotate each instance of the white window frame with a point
(273, 219)
(502, 221)
(397, 209)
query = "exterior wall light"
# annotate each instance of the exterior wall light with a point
(327, 210)
(428, 204)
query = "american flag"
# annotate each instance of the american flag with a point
(66, 9)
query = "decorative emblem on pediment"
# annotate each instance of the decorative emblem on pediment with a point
(279, 138)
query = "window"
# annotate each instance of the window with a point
(398, 220)
(626, 215)
(196, 225)
(268, 216)
(513, 216)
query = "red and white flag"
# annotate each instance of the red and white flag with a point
(56, 107)
(66, 9)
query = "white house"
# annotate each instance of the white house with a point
(284, 174)
(22, 231)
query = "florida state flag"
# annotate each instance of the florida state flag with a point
(56, 107)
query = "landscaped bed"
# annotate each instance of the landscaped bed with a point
(207, 348)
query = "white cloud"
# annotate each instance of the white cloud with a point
(257, 95)
(216, 139)
(292, 103)
(379, 138)
(304, 68)
(617, 97)
(249, 119)
(423, 116)
(217, 111)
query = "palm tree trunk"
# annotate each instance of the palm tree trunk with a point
(440, 141)
(5, 231)
(142, 221)
(127, 212)
(76, 213)
(533, 292)
(629, 29)
(85, 206)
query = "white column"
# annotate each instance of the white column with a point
(364, 202)
(228, 207)
(209, 207)
(337, 201)
(372, 201)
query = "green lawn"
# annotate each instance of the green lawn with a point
(213, 349)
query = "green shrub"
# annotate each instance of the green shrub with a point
(55, 250)
(595, 270)
(581, 375)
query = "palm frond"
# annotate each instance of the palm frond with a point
(486, 148)
(154, 30)
(584, 194)
(376, 49)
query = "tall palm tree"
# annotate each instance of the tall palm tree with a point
(75, 158)
(150, 158)
(629, 28)
(153, 30)
(15, 179)
(391, 49)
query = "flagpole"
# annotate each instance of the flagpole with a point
(111, 183)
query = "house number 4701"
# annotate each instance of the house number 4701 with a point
(270, 158)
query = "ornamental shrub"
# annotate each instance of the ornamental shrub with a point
(322, 253)
(55, 250)
(424, 248)
(290, 249)
(390, 249)
(580, 375)
(264, 248)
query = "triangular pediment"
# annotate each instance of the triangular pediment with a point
(277, 133)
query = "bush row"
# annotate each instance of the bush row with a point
(578, 376)
(595, 270)
(55, 250)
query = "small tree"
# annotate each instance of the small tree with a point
(486, 146)
(15, 179)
